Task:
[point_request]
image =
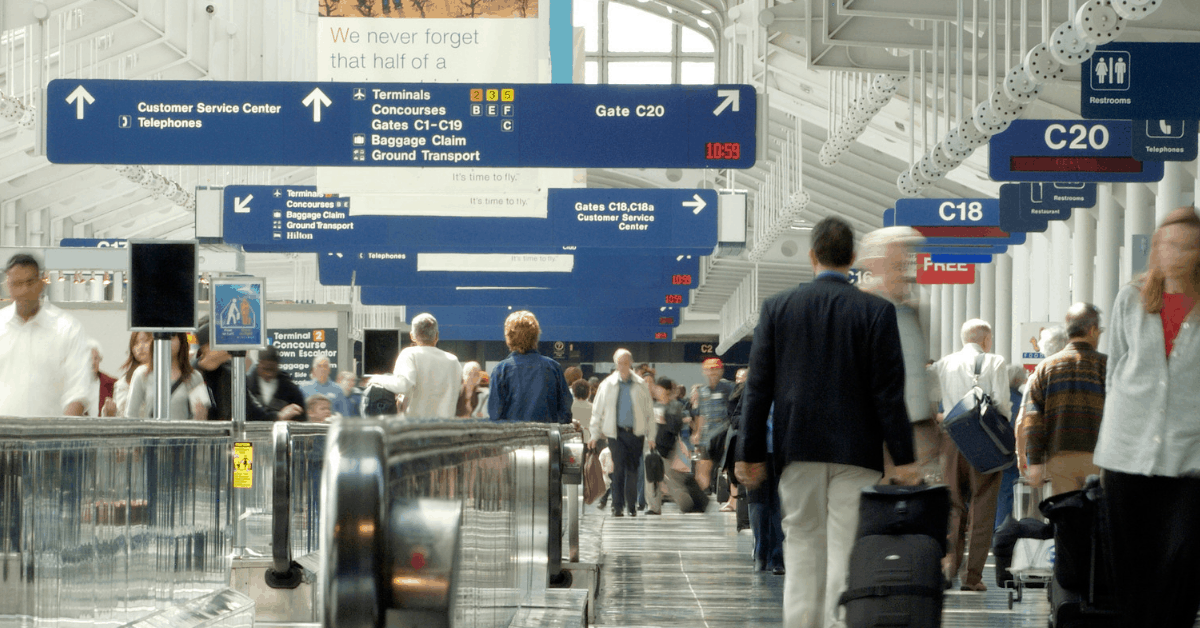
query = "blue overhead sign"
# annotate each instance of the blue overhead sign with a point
(1141, 81)
(1165, 140)
(947, 212)
(400, 124)
(563, 333)
(273, 218)
(465, 315)
(549, 270)
(299, 218)
(1029, 207)
(94, 243)
(1069, 150)
(527, 297)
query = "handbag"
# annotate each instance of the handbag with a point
(654, 467)
(980, 432)
(593, 476)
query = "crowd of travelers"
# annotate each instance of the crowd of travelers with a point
(841, 394)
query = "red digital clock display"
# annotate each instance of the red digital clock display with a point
(723, 150)
(666, 320)
(660, 335)
(681, 280)
(674, 299)
(1075, 164)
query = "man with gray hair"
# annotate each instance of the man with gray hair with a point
(622, 413)
(889, 257)
(321, 384)
(430, 379)
(956, 372)
(1064, 406)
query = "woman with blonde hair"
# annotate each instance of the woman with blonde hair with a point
(1149, 443)
(527, 386)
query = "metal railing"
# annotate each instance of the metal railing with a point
(439, 523)
(113, 522)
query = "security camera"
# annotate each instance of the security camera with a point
(211, 9)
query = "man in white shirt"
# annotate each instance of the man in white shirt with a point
(44, 357)
(956, 372)
(430, 379)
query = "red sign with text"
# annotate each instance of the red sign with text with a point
(929, 273)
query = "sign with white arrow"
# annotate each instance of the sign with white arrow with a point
(697, 204)
(401, 124)
(79, 97)
(242, 205)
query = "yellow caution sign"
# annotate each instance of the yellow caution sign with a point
(243, 465)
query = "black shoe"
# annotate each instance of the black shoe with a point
(651, 512)
(632, 513)
(618, 513)
(641, 506)
(779, 571)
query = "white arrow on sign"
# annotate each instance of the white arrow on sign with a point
(242, 206)
(316, 98)
(699, 204)
(78, 98)
(732, 97)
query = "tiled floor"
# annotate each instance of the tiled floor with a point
(696, 571)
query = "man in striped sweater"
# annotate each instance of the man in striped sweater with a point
(1064, 406)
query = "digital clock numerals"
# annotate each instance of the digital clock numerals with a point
(666, 320)
(723, 150)
(681, 280)
(660, 335)
(674, 299)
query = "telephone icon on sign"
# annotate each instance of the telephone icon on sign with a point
(1165, 128)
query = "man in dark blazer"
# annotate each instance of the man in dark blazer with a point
(828, 357)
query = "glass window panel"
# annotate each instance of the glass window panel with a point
(693, 41)
(635, 30)
(697, 73)
(586, 15)
(639, 73)
(591, 72)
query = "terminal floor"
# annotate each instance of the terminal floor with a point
(697, 571)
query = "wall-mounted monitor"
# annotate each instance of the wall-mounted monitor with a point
(163, 286)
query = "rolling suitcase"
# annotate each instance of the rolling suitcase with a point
(688, 494)
(897, 510)
(985, 438)
(1081, 589)
(894, 581)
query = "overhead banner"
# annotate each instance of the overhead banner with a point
(442, 41)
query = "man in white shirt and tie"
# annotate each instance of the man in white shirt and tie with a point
(44, 356)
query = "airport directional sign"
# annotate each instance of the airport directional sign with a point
(454, 315)
(510, 269)
(528, 296)
(562, 333)
(1141, 81)
(1070, 151)
(1029, 207)
(1165, 140)
(400, 124)
(947, 212)
(299, 219)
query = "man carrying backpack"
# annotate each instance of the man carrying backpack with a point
(956, 372)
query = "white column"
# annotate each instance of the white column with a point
(960, 316)
(1170, 190)
(1003, 324)
(1020, 290)
(1038, 276)
(1139, 220)
(947, 319)
(1108, 250)
(1083, 252)
(974, 296)
(935, 320)
(1058, 296)
(985, 276)
(118, 284)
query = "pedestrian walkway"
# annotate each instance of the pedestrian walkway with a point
(697, 571)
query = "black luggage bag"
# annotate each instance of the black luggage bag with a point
(690, 497)
(1082, 591)
(894, 581)
(898, 510)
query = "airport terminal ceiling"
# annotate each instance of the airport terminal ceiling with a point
(808, 61)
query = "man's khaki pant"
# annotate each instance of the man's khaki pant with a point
(1068, 470)
(972, 501)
